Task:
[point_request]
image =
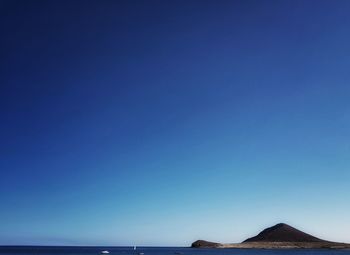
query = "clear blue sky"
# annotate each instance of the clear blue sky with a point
(161, 122)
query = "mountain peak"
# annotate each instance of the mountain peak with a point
(282, 233)
(280, 225)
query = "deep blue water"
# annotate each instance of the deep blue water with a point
(40, 250)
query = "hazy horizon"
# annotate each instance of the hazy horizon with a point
(162, 122)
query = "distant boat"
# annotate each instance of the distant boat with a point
(105, 252)
(140, 253)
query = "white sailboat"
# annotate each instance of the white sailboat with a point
(140, 253)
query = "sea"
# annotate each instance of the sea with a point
(60, 250)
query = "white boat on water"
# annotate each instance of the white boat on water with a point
(105, 252)
(140, 253)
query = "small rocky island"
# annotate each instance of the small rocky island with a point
(280, 236)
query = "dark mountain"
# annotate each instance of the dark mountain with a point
(204, 244)
(280, 236)
(282, 233)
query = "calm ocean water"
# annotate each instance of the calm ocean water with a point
(160, 251)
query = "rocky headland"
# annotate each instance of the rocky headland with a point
(280, 236)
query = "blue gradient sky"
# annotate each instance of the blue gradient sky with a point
(161, 122)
